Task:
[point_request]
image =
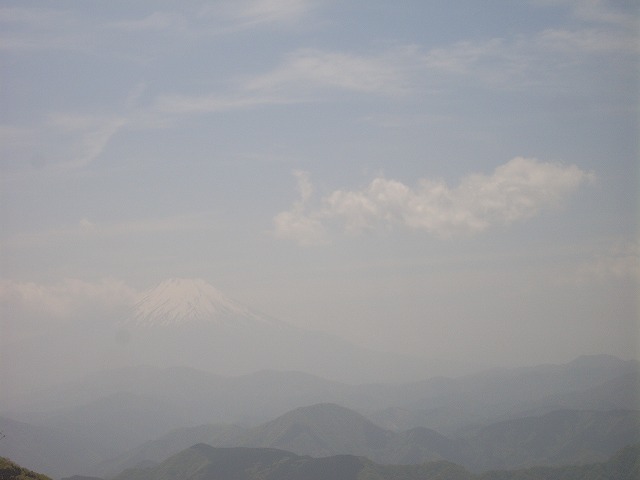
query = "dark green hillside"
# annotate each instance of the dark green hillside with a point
(12, 471)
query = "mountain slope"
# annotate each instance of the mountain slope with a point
(12, 471)
(203, 462)
(55, 452)
(621, 392)
(190, 323)
(452, 405)
(563, 437)
(320, 430)
(117, 422)
(156, 451)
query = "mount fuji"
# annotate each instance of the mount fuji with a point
(188, 322)
(180, 301)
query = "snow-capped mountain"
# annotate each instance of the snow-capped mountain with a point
(188, 322)
(180, 301)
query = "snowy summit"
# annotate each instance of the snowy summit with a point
(179, 301)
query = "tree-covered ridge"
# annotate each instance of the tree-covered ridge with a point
(203, 462)
(12, 471)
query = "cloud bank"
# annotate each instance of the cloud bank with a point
(515, 191)
(29, 308)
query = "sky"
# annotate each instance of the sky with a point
(436, 178)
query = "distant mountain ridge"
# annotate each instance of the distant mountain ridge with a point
(188, 322)
(208, 463)
(557, 438)
(204, 462)
(110, 414)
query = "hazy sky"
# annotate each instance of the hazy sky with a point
(449, 178)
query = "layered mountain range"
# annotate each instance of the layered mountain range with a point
(189, 323)
(240, 463)
(304, 392)
(130, 417)
(209, 463)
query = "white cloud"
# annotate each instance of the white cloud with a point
(296, 224)
(619, 260)
(516, 191)
(63, 299)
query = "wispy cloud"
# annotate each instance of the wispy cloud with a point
(34, 302)
(550, 57)
(586, 41)
(558, 56)
(221, 17)
(617, 260)
(298, 225)
(87, 136)
(302, 77)
(153, 21)
(27, 29)
(595, 11)
(69, 139)
(245, 14)
(86, 230)
(212, 103)
(304, 70)
(552, 54)
(517, 190)
(59, 141)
